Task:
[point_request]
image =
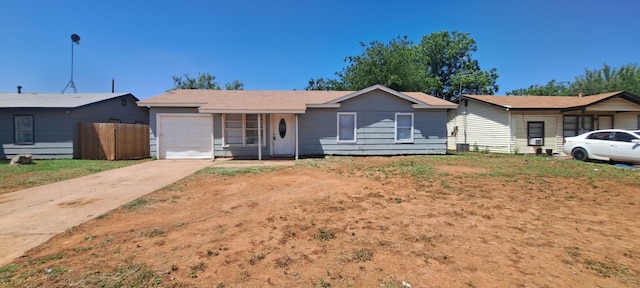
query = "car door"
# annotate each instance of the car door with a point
(623, 149)
(598, 144)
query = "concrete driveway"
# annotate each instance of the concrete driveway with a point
(30, 217)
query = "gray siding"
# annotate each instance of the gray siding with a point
(375, 128)
(55, 129)
(239, 151)
(317, 129)
(53, 134)
(219, 149)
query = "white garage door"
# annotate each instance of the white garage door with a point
(185, 136)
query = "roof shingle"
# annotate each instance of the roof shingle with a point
(542, 102)
(53, 100)
(219, 101)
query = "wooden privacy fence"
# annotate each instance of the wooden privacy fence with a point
(113, 141)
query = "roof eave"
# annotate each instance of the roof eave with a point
(180, 105)
(252, 111)
(373, 88)
(336, 105)
(421, 106)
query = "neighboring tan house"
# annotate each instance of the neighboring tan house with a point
(266, 124)
(522, 124)
(46, 125)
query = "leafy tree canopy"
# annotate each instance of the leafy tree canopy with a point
(441, 64)
(204, 81)
(552, 88)
(325, 84)
(606, 79)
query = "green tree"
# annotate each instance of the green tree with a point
(234, 85)
(607, 79)
(441, 64)
(204, 81)
(395, 65)
(553, 88)
(447, 58)
(322, 84)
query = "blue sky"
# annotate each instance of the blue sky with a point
(280, 45)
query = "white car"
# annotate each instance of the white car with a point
(606, 145)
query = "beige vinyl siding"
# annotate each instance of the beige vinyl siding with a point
(615, 104)
(552, 131)
(627, 120)
(487, 127)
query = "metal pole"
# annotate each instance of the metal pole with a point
(71, 84)
(72, 63)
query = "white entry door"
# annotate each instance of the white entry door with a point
(282, 129)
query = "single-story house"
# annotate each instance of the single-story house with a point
(377, 120)
(45, 125)
(524, 124)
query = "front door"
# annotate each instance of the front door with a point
(282, 134)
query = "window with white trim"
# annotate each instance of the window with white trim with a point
(23, 129)
(404, 128)
(347, 127)
(242, 130)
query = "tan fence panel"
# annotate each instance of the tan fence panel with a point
(113, 141)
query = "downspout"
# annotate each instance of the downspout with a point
(296, 138)
(259, 136)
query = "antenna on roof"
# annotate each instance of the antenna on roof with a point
(74, 39)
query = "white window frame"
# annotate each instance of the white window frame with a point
(244, 131)
(395, 136)
(355, 127)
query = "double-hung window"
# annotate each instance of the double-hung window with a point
(242, 129)
(535, 133)
(347, 127)
(404, 128)
(23, 129)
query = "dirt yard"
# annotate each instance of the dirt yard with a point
(445, 221)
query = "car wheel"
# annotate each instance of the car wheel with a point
(580, 154)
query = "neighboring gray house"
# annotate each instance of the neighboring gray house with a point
(264, 124)
(46, 125)
(523, 124)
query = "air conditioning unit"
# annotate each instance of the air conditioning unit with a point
(535, 141)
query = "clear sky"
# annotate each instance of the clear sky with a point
(281, 44)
